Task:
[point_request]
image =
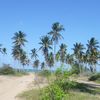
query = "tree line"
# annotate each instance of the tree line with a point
(84, 57)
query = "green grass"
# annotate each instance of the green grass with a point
(29, 95)
(82, 96)
(34, 95)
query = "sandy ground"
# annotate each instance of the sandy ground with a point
(12, 86)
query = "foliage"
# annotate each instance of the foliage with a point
(75, 68)
(34, 94)
(8, 70)
(58, 89)
(52, 92)
(95, 77)
(45, 73)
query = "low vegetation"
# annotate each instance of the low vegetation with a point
(95, 77)
(84, 58)
(6, 69)
(62, 88)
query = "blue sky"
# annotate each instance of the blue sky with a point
(80, 18)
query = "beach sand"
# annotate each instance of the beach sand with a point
(11, 86)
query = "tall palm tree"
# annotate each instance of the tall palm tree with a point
(45, 45)
(34, 53)
(93, 53)
(56, 35)
(78, 53)
(63, 52)
(18, 41)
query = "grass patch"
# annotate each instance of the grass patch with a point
(81, 96)
(30, 95)
(34, 94)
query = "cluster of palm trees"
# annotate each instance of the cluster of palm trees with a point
(18, 52)
(85, 57)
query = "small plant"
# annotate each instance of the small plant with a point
(95, 77)
(53, 92)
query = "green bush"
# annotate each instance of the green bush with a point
(95, 77)
(6, 69)
(45, 73)
(52, 92)
(60, 87)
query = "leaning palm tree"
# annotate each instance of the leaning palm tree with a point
(45, 45)
(93, 53)
(56, 35)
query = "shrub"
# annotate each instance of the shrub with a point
(95, 77)
(52, 92)
(45, 73)
(60, 87)
(6, 69)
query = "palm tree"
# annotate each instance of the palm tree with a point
(62, 51)
(50, 60)
(57, 56)
(55, 35)
(2, 50)
(45, 45)
(34, 53)
(69, 59)
(93, 53)
(18, 41)
(24, 59)
(78, 53)
(36, 64)
(43, 65)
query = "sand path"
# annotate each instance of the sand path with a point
(11, 86)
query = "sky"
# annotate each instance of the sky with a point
(80, 18)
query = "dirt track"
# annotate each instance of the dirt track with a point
(11, 86)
